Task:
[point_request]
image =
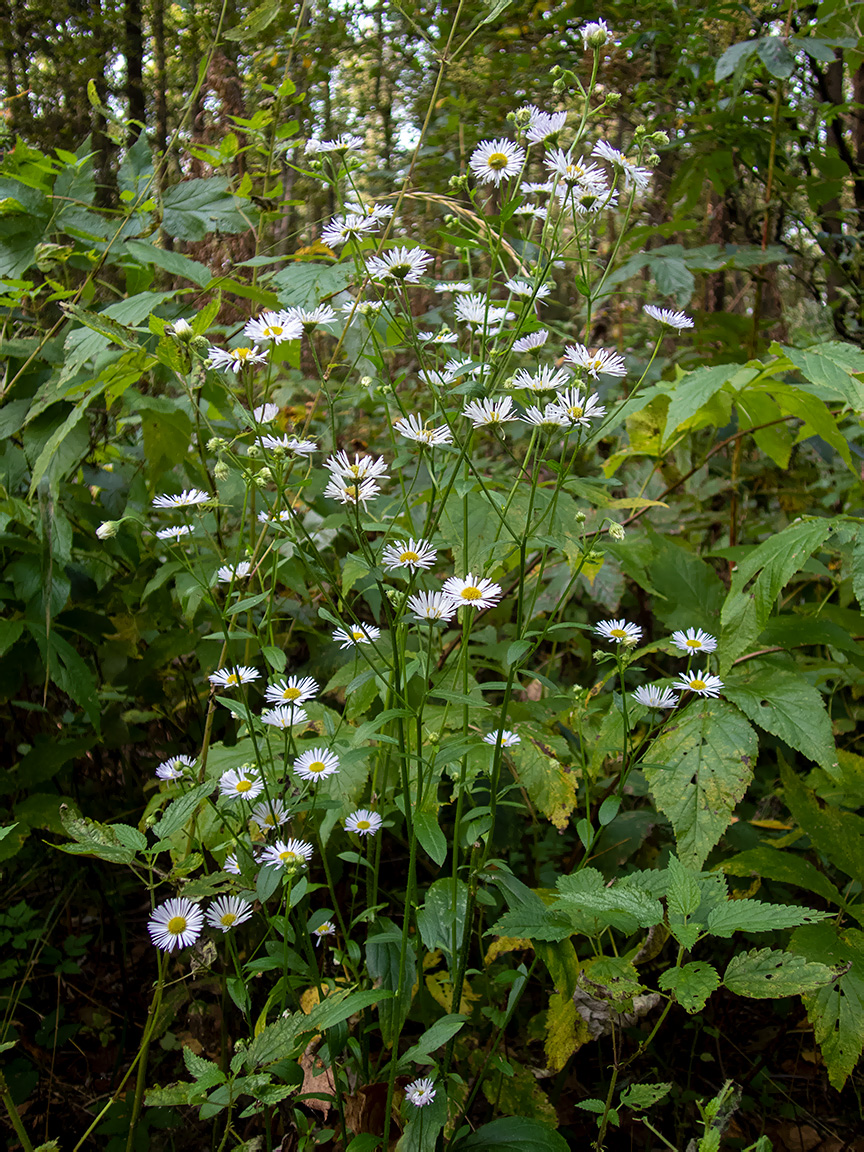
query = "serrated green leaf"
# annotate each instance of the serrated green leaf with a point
(766, 973)
(836, 1010)
(642, 1096)
(130, 837)
(733, 58)
(708, 755)
(780, 701)
(276, 1041)
(551, 787)
(194, 208)
(171, 1096)
(691, 984)
(104, 325)
(205, 1072)
(339, 1005)
(433, 1038)
(181, 810)
(512, 1134)
(757, 916)
(830, 366)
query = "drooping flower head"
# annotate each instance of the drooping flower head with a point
(175, 767)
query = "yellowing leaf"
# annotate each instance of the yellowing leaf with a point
(441, 990)
(505, 944)
(562, 1036)
(551, 787)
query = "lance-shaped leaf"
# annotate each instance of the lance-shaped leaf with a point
(766, 973)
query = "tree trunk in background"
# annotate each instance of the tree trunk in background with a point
(137, 105)
(103, 145)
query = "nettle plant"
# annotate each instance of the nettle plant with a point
(370, 863)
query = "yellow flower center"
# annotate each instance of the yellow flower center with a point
(274, 330)
(698, 685)
(356, 634)
(270, 820)
(351, 491)
(289, 857)
(618, 633)
(362, 825)
(498, 160)
(243, 785)
(291, 693)
(241, 353)
(176, 925)
(317, 766)
(575, 412)
(693, 643)
(471, 593)
(408, 558)
(232, 678)
(227, 919)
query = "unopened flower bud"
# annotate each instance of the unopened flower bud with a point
(659, 138)
(221, 471)
(252, 451)
(652, 159)
(580, 517)
(616, 532)
(200, 344)
(595, 34)
(181, 330)
(108, 529)
(215, 443)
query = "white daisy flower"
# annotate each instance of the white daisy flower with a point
(443, 336)
(174, 768)
(227, 912)
(523, 288)
(269, 814)
(595, 34)
(288, 854)
(310, 318)
(289, 444)
(363, 822)
(174, 533)
(344, 143)
(483, 412)
(285, 716)
(547, 378)
(570, 171)
(352, 492)
(362, 307)
(478, 309)
(363, 468)
(694, 640)
(234, 571)
(534, 187)
(274, 326)
(595, 363)
(464, 366)
(420, 1092)
(702, 683)
(241, 783)
(403, 265)
(316, 764)
(341, 229)
(265, 413)
(175, 924)
(531, 341)
(188, 498)
(268, 517)
(651, 696)
(181, 328)
(328, 928)
(493, 161)
(631, 174)
(578, 408)
(356, 634)
(677, 320)
(414, 428)
(431, 606)
(231, 864)
(545, 124)
(108, 529)
(233, 359)
(549, 419)
(589, 200)
(231, 677)
(411, 554)
(533, 210)
(479, 593)
(619, 631)
(454, 286)
(295, 690)
(508, 738)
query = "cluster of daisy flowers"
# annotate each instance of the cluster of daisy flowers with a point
(690, 642)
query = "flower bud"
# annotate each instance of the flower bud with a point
(108, 529)
(181, 330)
(200, 344)
(580, 517)
(616, 531)
(215, 443)
(221, 471)
(595, 34)
(252, 451)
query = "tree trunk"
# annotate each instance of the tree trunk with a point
(135, 100)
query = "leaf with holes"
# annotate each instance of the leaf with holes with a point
(701, 766)
(691, 984)
(766, 973)
(836, 1010)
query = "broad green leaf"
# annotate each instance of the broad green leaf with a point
(254, 22)
(858, 567)
(831, 366)
(757, 916)
(551, 787)
(620, 906)
(766, 973)
(689, 588)
(174, 262)
(441, 920)
(756, 408)
(171, 1096)
(642, 1096)
(194, 208)
(836, 1010)
(276, 1041)
(781, 701)
(773, 564)
(382, 961)
(130, 837)
(838, 834)
(816, 416)
(430, 836)
(691, 984)
(707, 757)
(734, 57)
(776, 56)
(339, 1005)
(534, 923)
(694, 389)
(422, 1130)
(205, 1072)
(512, 1134)
(103, 324)
(683, 898)
(180, 810)
(785, 867)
